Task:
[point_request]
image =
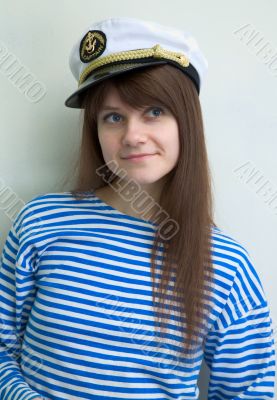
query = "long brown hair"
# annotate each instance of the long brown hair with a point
(187, 196)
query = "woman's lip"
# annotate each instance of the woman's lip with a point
(139, 157)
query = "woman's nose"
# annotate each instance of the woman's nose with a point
(134, 131)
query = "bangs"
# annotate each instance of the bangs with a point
(138, 89)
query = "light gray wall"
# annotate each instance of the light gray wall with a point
(39, 135)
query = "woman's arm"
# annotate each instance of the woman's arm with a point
(239, 348)
(17, 294)
(241, 358)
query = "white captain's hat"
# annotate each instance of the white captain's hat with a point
(116, 45)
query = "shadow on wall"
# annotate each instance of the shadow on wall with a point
(203, 381)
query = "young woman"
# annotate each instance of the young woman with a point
(119, 288)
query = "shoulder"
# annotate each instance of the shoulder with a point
(41, 205)
(229, 252)
(231, 257)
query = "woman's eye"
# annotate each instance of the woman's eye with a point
(111, 115)
(160, 110)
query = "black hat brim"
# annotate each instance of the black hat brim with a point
(108, 71)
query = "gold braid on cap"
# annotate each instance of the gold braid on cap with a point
(156, 51)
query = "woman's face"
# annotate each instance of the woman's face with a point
(124, 131)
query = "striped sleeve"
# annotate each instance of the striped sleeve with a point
(239, 349)
(17, 293)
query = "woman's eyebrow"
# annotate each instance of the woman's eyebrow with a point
(109, 108)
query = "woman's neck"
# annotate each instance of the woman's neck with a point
(114, 196)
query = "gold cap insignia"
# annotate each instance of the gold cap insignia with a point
(92, 45)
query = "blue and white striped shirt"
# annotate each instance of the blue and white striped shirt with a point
(77, 319)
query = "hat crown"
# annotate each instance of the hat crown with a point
(107, 40)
